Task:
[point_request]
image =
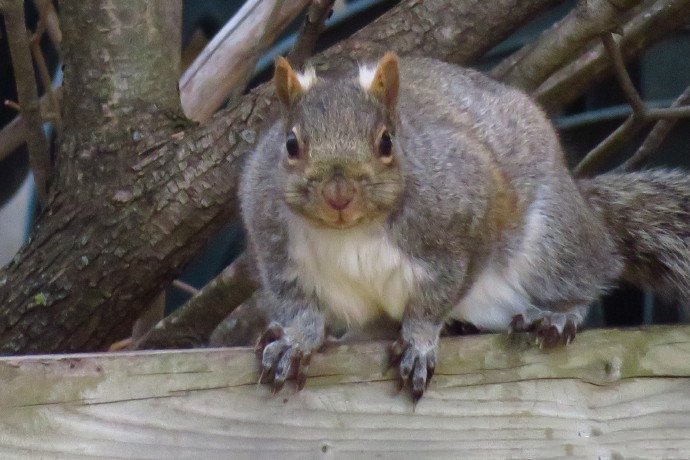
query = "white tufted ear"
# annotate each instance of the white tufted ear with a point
(366, 76)
(307, 78)
(383, 81)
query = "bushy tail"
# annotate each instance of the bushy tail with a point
(648, 214)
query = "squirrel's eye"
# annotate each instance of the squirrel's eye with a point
(292, 146)
(385, 145)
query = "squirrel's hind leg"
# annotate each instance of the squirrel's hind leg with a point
(550, 329)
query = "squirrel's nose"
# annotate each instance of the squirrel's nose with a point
(339, 192)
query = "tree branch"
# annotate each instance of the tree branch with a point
(13, 134)
(314, 23)
(656, 136)
(17, 38)
(242, 327)
(621, 74)
(46, 11)
(648, 26)
(207, 83)
(49, 20)
(640, 117)
(250, 320)
(557, 45)
(122, 244)
(120, 86)
(191, 325)
(213, 70)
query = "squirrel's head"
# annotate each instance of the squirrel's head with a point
(339, 151)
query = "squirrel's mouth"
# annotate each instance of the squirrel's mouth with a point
(346, 222)
(339, 207)
(327, 217)
(342, 219)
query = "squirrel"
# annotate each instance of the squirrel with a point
(422, 192)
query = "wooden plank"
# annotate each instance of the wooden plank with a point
(611, 394)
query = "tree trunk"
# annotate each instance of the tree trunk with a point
(138, 191)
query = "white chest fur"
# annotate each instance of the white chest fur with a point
(356, 273)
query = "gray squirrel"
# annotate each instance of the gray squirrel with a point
(421, 192)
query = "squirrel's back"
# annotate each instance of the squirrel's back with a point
(516, 131)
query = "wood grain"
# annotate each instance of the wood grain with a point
(611, 394)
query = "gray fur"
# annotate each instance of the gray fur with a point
(648, 214)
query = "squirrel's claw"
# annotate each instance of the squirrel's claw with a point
(547, 335)
(430, 368)
(395, 352)
(281, 359)
(273, 332)
(550, 329)
(416, 366)
(517, 324)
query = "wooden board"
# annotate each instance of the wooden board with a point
(611, 394)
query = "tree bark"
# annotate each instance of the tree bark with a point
(137, 195)
(191, 325)
(120, 99)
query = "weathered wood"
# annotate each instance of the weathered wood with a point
(206, 84)
(611, 394)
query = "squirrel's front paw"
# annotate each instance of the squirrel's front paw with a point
(284, 356)
(416, 360)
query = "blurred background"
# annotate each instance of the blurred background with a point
(660, 74)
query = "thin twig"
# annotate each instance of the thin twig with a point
(630, 126)
(312, 27)
(614, 52)
(184, 287)
(49, 21)
(12, 105)
(44, 9)
(670, 113)
(640, 117)
(13, 134)
(622, 135)
(17, 38)
(656, 136)
(54, 112)
(12, 137)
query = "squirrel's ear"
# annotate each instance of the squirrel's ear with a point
(384, 85)
(287, 85)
